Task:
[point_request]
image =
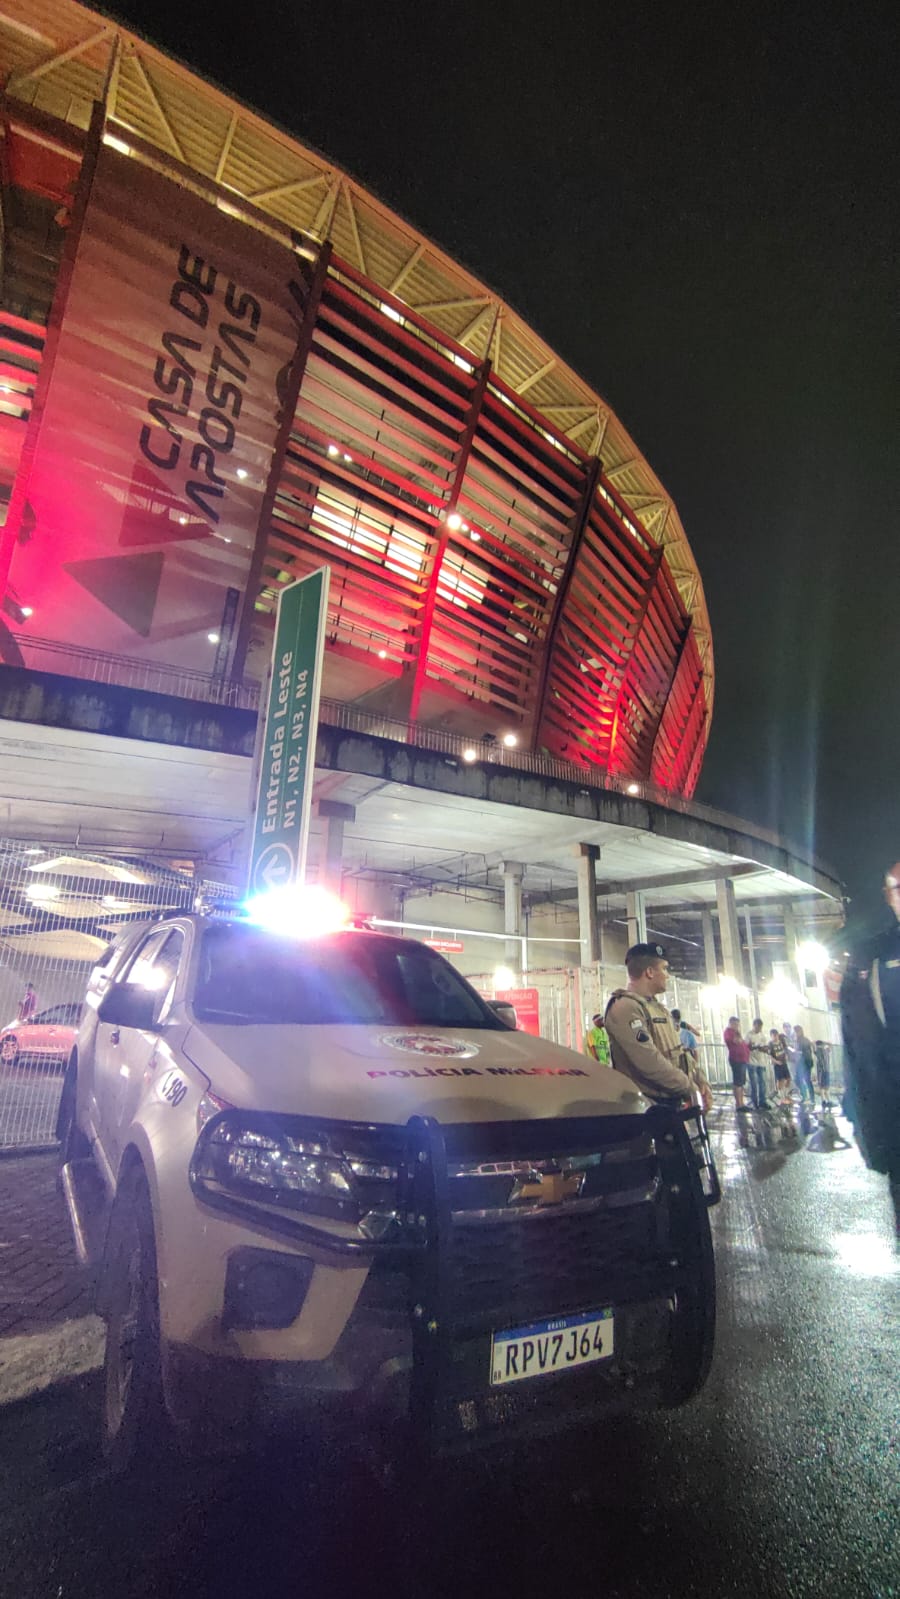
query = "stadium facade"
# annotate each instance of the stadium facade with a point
(226, 363)
(223, 363)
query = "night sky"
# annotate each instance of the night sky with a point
(696, 207)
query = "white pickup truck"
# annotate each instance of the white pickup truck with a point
(323, 1172)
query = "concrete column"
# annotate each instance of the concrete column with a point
(335, 815)
(729, 932)
(588, 925)
(751, 956)
(709, 945)
(513, 872)
(636, 917)
(790, 938)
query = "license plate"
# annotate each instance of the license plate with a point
(551, 1346)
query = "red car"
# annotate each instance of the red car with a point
(46, 1036)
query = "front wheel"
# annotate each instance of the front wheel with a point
(134, 1416)
(9, 1051)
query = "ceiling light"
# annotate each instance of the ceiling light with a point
(333, 449)
(382, 655)
(213, 638)
(633, 788)
(26, 610)
(242, 471)
(470, 754)
(504, 977)
(389, 311)
(454, 520)
(347, 457)
(510, 740)
(183, 521)
(476, 537)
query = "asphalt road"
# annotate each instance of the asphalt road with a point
(783, 1478)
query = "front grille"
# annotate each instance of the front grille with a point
(554, 1261)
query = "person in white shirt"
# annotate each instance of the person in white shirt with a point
(759, 1061)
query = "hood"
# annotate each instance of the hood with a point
(387, 1074)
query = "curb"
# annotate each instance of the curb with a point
(30, 1363)
(12, 1151)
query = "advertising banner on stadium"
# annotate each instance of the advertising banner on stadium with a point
(140, 499)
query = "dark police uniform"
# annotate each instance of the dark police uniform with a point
(646, 1045)
(870, 1016)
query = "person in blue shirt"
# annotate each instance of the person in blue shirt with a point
(686, 1034)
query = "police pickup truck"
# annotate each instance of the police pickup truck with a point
(322, 1173)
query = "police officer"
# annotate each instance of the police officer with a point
(870, 1015)
(645, 1042)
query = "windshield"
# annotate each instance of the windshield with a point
(247, 975)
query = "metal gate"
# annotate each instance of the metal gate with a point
(59, 908)
(568, 997)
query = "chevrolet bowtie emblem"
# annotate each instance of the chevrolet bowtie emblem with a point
(546, 1188)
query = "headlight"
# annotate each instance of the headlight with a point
(288, 1164)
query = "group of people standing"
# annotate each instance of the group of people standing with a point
(658, 1050)
(789, 1052)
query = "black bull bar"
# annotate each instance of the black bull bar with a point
(452, 1407)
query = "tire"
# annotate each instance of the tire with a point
(9, 1051)
(134, 1422)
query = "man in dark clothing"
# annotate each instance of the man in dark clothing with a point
(823, 1070)
(778, 1052)
(870, 1015)
(803, 1066)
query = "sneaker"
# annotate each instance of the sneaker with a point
(743, 1110)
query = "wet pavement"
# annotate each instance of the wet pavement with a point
(783, 1478)
(40, 1282)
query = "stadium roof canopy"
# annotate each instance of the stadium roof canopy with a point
(60, 58)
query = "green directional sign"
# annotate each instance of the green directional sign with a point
(284, 792)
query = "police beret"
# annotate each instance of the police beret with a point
(645, 949)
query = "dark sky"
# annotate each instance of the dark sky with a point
(696, 207)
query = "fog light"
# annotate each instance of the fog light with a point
(264, 1289)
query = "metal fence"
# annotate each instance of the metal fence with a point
(568, 997)
(59, 908)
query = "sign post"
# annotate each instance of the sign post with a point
(284, 791)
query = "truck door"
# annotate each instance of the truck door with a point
(124, 1054)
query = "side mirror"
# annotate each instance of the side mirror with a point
(506, 1012)
(129, 1006)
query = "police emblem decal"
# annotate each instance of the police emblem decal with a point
(434, 1044)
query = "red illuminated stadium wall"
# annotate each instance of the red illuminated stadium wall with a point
(486, 575)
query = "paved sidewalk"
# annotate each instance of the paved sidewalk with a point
(41, 1284)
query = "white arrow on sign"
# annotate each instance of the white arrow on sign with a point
(275, 868)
